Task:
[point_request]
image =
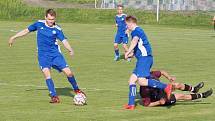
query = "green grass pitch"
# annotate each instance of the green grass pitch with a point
(186, 53)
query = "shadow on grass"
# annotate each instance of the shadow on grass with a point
(192, 103)
(66, 91)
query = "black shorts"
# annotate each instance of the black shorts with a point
(172, 101)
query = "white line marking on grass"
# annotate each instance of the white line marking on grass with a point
(38, 86)
(99, 28)
(13, 30)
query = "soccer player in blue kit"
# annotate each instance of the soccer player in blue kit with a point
(121, 35)
(141, 49)
(49, 54)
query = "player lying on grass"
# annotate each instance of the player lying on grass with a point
(121, 35)
(141, 48)
(157, 74)
(49, 54)
(154, 97)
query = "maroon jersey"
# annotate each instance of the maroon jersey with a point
(150, 94)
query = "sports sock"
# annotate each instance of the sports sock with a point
(156, 84)
(51, 88)
(132, 94)
(196, 96)
(117, 52)
(188, 88)
(73, 82)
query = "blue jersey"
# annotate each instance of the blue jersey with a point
(143, 48)
(120, 21)
(47, 38)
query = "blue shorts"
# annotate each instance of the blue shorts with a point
(143, 66)
(57, 62)
(121, 38)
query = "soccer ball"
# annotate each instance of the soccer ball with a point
(80, 99)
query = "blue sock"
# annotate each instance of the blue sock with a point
(73, 82)
(117, 52)
(156, 84)
(132, 94)
(51, 88)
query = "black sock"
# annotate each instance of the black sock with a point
(196, 96)
(187, 87)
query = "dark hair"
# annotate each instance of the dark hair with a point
(120, 5)
(131, 19)
(50, 12)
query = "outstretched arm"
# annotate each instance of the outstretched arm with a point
(132, 46)
(157, 103)
(167, 76)
(19, 34)
(68, 47)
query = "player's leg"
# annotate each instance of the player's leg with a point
(60, 64)
(124, 45)
(143, 67)
(116, 48)
(50, 85)
(186, 87)
(45, 65)
(194, 96)
(185, 96)
(132, 92)
(71, 79)
(151, 83)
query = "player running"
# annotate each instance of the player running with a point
(141, 48)
(121, 35)
(154, 97)
(49, 54)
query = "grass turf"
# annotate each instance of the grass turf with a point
(186, 53)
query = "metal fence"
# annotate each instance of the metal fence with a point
(172, 5)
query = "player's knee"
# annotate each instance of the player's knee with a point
(130, 82)
(124, 45)
(143, 81)
(69, 74)
(179, 96)
(46, 73)
(115, 46)
(176, 85)
(181, 86)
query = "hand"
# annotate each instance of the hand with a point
(10, 42)
(71, 53)
(127, 31)
(162, 101)
(127, 55)
(172, 78)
